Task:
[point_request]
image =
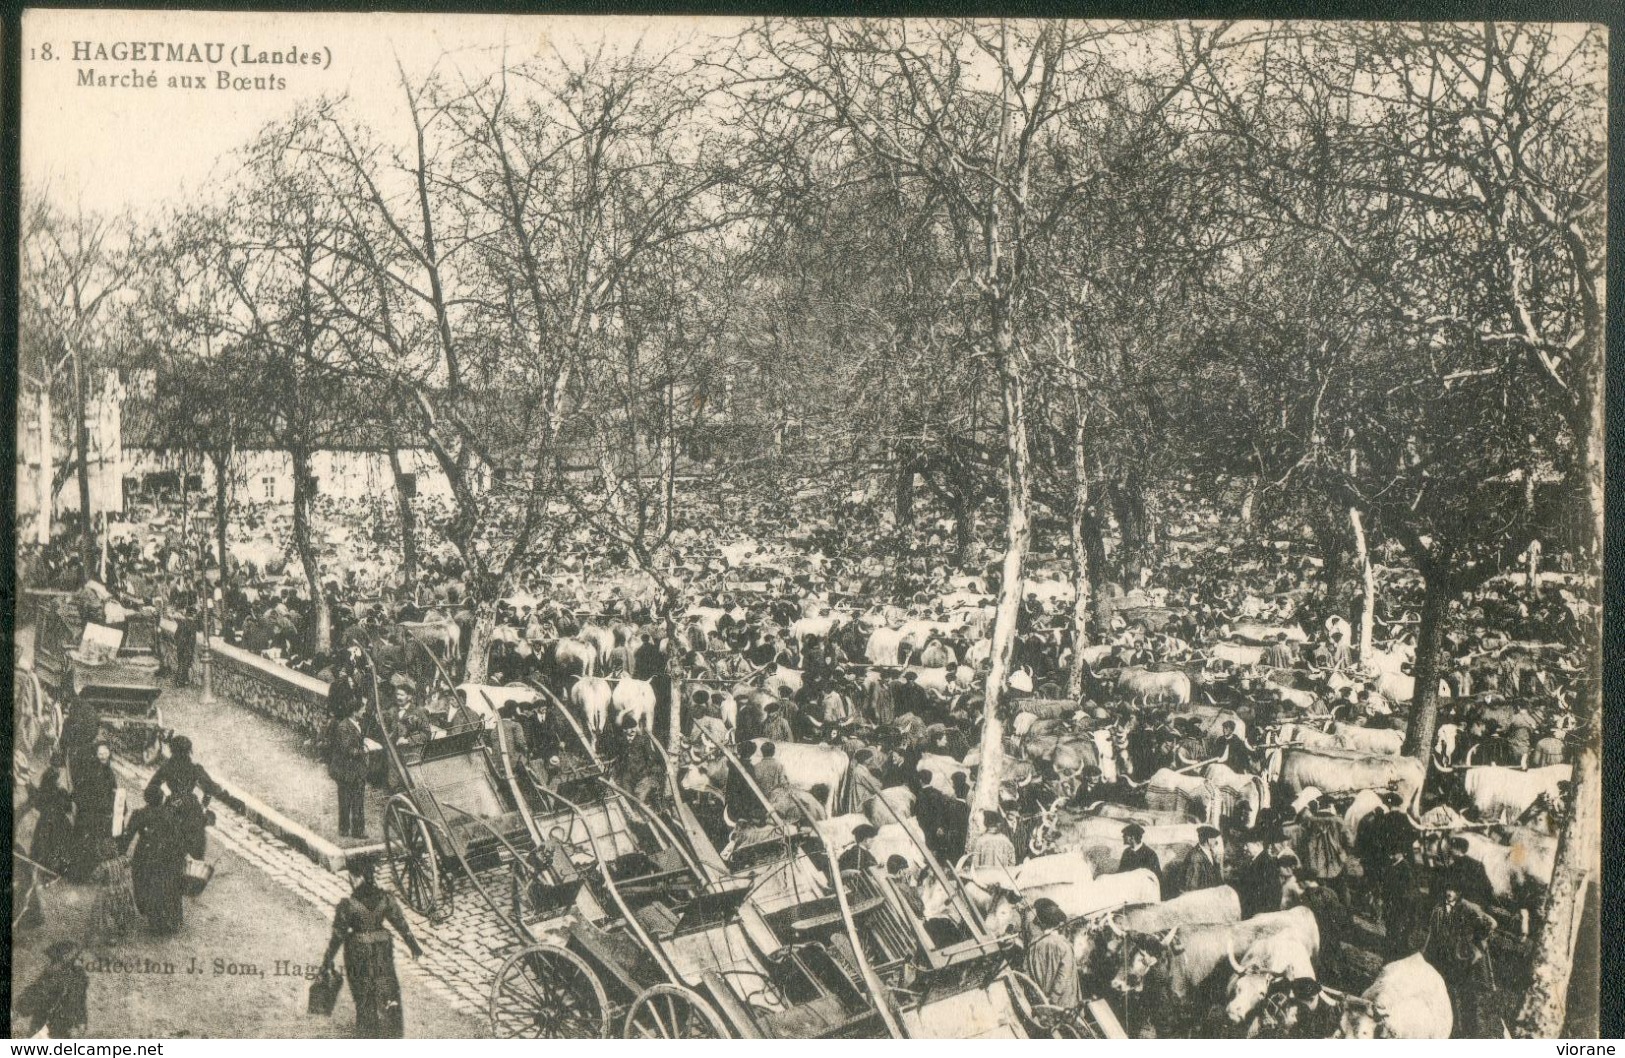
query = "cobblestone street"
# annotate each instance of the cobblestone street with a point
(267, 902)
(458, 955)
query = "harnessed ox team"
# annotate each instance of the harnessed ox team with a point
(1186, 967)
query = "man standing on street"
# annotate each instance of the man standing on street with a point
(1203, 867)
(348, 767)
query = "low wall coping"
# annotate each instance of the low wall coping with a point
(263, 666)
(273, 670)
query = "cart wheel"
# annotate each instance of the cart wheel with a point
(1033, 1004)
(413, 862)
(672, 1012)
(41, 716)
(546, 992)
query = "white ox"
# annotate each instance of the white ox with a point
(1172, 685)
(1407, 1001)
(1506, 793)
(635, 698)
(1076, 897)
(1392, 681)
(1257, 632)
(891, 805)
(936, 680)
(883, 646)
(942, 770)
(1267, 958)
(810, 627)
(592, 695)
(894, 839)
(1337, 773)
(1238, 654)
(807, 766)
(601, 638)
(782, 678)
(1520, 870)
(1100, 839)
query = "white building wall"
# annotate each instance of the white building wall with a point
(266, 476)
(104, 423)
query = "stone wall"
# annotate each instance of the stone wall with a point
(270, 689)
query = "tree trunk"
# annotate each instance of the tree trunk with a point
(1131, 538)
(479, 643)
(903, 496)
(964, 530)
(1437, 591)
(82, 441)
(1578, 864)
(43, 493)
(1331, 555)
(1017, 537)
(321, 633)
(1248, 501)
(1368, 587)
(1082, 568)
(222, 508)
(409, 524)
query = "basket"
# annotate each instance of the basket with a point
(324, 992)
(195, 876)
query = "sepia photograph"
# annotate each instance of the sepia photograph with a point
(624, 527)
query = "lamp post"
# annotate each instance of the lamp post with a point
(205, 654)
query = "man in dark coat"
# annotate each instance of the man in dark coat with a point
(1203, 866)
(909, 697)
(186, 628)
(956, 820)
(348, 767)
(647, 661)
(1458, 947)
(859, 856)
(1258, 884)
(1464, 874)
(930, 805)
(1137, 855)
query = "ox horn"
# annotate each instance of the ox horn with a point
(1114, 925)
(1230, 953)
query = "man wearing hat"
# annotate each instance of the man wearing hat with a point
(1137, 855)
(347, 764)
(1384, 831)
(1203, 866)
(777, 727)
(1464, 874)
(993, 846)
(1258, 883)
(858, 856)
(1457, 945)
(1314, 1017)
(1051, 962)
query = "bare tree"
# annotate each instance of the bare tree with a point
(75, 268)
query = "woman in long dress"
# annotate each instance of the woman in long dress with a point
(52, 843)
(369, 955)
(179, 776)
(158, 863)
(95, 792)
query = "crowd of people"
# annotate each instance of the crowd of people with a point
(712, 650)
